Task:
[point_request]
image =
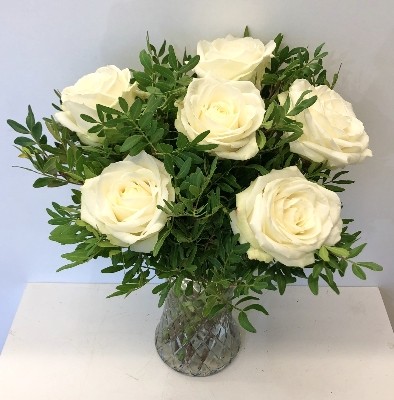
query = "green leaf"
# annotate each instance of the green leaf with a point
(24, 141)
(216, 263)
(88, 118)
(112, 269)
(135, 109)
(246, 31)
(165, 72)
(278, 40)
(245, 323)
(153, 90)
(261, 140)
(286, 104)
(157, 135)
(334, 188)
(107, 110)
(371, 265)
(50, 165)
(17, 127)
(159, 243)
(30, 121)
(331, 284)
(342, 266)
(323, 254)
(303, 94)
(269, 111)
(123, 104)
(68, 266)
(317, 268)
(153, 104)
(215, 309)
(95, 129)
(339, 173)
(259, 168)
(164, 148)
(281, 281)
(67, 234)
(182, 141)
(106, 244)
(335, 78)
(128, 288)
(172, 60)
(338, 251)
(79, 255)
(159, 288)
(288, 138)
(210, 303)
(357, 250)
(330, 275)
(146, 120)
(246, 298)
(185, 168)
(225, 187)
(142, 78)
(168, 164)
(131, 142)
(165, 86)
(318, 49)
(344, 182)
(313, 284)
(334, 263)
(88, 172)
(257, 307)
(162, 49)
(259, 286)
(358, 272)
(49, 182)
(118, 293)
(199, 138)
(58, 221)
(163, 295)
(206, 147)
(194, 190)
(146, 61)
(190, 65)
(302, 106)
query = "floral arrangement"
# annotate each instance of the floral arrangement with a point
(221, 169)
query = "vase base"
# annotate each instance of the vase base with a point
(204, 355)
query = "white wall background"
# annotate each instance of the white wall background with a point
(46, 44)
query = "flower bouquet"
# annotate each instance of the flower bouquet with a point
(218, 173)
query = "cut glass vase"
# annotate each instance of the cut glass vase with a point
(193, 344)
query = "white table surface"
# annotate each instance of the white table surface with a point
(68, 342)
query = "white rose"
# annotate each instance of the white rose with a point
(103, 87)
(122, 202)
(231, 110)
(234, 58)
(332, 131)
(286, 217)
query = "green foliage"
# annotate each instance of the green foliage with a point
(197, 244)
(287, 65)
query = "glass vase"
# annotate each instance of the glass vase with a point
(191, 343)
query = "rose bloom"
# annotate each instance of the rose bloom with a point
(332, 131)
(286, 217)
(122, 202)
(104, 87)
(234, 58)
(232, 111)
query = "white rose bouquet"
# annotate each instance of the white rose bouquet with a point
(219, 169)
